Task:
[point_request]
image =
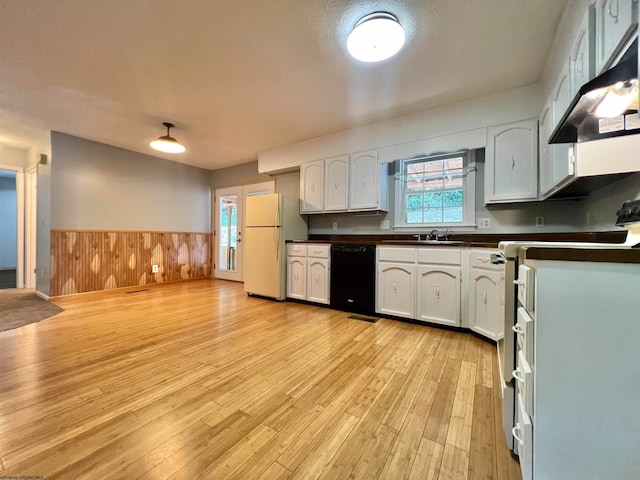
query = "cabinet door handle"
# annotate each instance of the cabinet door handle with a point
(484, 299)
(614, 16)
(516, 431)
(502, 300)
(295, 275)
(395, 287)
(484, 259)
(580, 65)
(336, 184)
(438, 292)
(364, 182)
(313, 187)
(518, 282)
(517, 375)
(516, 328)
(317, 278)
(513, 162)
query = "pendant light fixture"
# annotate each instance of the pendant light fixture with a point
(376, 37)
(167, 143)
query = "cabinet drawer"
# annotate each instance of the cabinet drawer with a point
(523, 437)
(440, 256)
(482, 259)
(296, 250)
(524, 381)
(318, 251)
(397, 254)
(524, 334)
(526, 286)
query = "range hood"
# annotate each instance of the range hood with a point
(584, 121)
(605, 150)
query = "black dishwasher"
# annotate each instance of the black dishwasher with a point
(353, 278)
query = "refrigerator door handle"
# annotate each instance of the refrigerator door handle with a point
(277, 243)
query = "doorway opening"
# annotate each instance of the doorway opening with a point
(9, 217)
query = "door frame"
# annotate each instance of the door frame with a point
(261, 188)
(19, 223)
(30, 225)
(236, 274)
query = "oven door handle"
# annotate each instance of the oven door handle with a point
(498, 259)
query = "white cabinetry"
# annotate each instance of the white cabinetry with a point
(438, 286)
(312, 187)
(308, 272)
(396, 281)
(336, 184)
(577, 361)
(581, 60)
(616, 22)
(297, 271)
(557, 166)
(511, 162)
(420, 283)
(348, 183)
(486, 295)
(367, 189)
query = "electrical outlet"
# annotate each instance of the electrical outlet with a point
(484, 222)
(385, 225)
(539, 221)
(154, 268)
(335, 225)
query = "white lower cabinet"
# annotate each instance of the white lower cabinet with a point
(318, 280)
(297, 277)
(438, 294)
(308, 272)
(486, 295)
(420, 283)
(396, 286)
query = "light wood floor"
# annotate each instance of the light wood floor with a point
(196, 380)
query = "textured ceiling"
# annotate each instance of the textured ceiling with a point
(238, 77)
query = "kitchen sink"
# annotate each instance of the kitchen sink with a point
(426, 242)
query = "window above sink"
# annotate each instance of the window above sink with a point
(435, 191)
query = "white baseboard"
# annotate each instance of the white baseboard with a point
(43, 296)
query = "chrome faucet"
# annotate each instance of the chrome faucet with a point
(446, 234)
(433, 235)
(417, 237)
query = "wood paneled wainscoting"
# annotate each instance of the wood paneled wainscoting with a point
(86, 261)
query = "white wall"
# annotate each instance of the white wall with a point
(517, 104)
(13, 157)
(8, 222)
(99, 187)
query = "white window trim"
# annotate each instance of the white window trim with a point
(469, 202)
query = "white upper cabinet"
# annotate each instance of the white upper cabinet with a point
(336, 193)
(364, 184)
(512, 162)
(546, 163)
(312, 187)
(561, 97)
(348, 183)
(581, 60)
(616, 21)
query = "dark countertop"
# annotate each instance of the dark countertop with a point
(477, 240)
(608, 255)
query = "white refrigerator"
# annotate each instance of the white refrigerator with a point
(270, 220)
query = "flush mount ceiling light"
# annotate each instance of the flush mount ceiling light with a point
(167, 143)
(376, 37)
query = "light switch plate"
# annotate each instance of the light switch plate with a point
(385, 225)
